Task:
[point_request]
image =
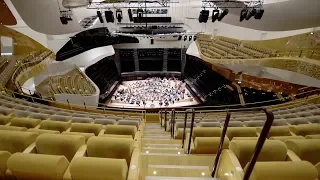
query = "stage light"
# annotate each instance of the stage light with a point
(190, 37)
(109, 16)
(185, 38)
(215, 15)
(251, 12)
(194, 38)
(204, 15)
(223, 14)
(139, 15)
(100, 16)
(259, 13)
(119, 15)
(180, 37)
(130, 15)
(243, 14)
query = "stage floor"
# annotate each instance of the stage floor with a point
(188, 99)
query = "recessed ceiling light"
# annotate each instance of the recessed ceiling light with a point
(154, 172)
(147, 152)
(203, 174)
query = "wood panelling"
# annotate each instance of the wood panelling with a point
(6, 17)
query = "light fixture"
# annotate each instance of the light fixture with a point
(147, 152)
(203, 174)
(259, 13)
(139, 15)
(223, 14)
(130, 14)
(204, 15)
(243, 14)
(178, 152)
(119, 15)
(154, 172)
(215, 15)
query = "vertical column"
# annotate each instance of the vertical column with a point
(136, 59)
(165, 60)
(183, 59)
(117, 60)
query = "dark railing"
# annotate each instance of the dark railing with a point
(173, 122)
(184, 127)
(161, 117)
(191, 130)
(165, 120)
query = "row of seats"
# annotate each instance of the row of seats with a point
(72, 82)
(61, 156)
(289, 159)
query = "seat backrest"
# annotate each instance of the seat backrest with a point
(16, 141)
(121, 130)
(25, 122)
(4, 119)
(37, 166)
(20, 113)
(81, 120)
(206, 132)
(104, 168)
(86, 128)
(277, 131)
(104, 121)
(272, 150)
(85, 135)
(58, 144)
(234, 124)
(241, 132)
(181, 125)
(60, 118)
(284, 138)
(55, 125)
(39, 116)
(306, 149)
(109, 147)
(94, 116)
(316, 136)
(279, 122)
(293, 170)
(254, 123)
(305, 129)
(129, 122)
(296, 121)
(43, 131)
(314, 119)
(4, 156)
(209, 124)
(12, 128)
(209, 145)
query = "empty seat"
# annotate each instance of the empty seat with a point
(297, 121)
(279, 122)
(293, 170)
(81, 120)
(108, 147)
(245, 138)
(234, 124)
(206, 132)
(39, 116)
(284, 138)
(179, 127)
(305, 149)
(58, 144)
(25, 122)
(15, 141)
(305, 129)
(129, 122)
(60, 118)
(116, 136)
(315, 112)
(80, 115)
(86, 128)
(51, 112)
(4, 156)
(85, 135)
(277, 131)
(20, 113)
(64, 113)
(37, 166)
(121, 130)
(5, 119)
(12, 128)
(21, 107)
(241, 132)
(105, 121)
(208, 145)
(6, 111)
(97, 116)
(43, 131)
(92, 168)
(303, 114)
(254, 123)
(314, 119)
(55, 125)
(287, 116)
(272, 150)
(209, 124)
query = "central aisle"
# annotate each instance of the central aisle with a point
(163, 158)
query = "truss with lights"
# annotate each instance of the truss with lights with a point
(130, 4)
(231, 4)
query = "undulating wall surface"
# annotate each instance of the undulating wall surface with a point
(22, 44)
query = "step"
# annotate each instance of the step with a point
(181, 160)
(177, 178)
(162, 151)
(162, 145)
(160, 141)
(161, 154)
(157, 137)
(161, 148)
(175, 172)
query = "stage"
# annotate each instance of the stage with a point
(152, 93)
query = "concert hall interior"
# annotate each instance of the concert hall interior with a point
(160, 90)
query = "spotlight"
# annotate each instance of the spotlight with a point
(185, 38)
(259, 13)
(194, 38)
(130, 15)
(243, 14)
(180, 37)
(215, 15)
(100, 17)
(190, 37)
(139, 15)
(119, 15)
(109, 16)
(204, 15)
(251, 12)
(223, 14)
(64, 20)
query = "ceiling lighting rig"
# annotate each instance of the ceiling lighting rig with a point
(252, 8)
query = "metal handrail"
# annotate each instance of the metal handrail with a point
(191, 130)
(161, 117)
(262, 138)
(184, 127)
(224, 131)
(173, 122)
(165, 120)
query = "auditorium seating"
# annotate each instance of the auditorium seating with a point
(72, 82)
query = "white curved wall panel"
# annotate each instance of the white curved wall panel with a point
(91, 56)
